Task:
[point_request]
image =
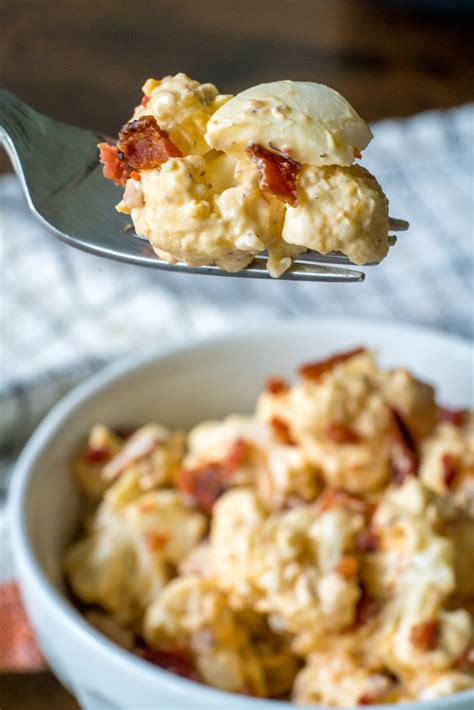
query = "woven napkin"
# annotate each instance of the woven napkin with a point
(64, 313)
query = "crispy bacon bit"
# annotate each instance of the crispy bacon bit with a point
(278, 174)
(114, 168)
(174, 659)
(450, 470)
(367, 541)
(337, 498)
(282, 431)
(236, 455)
(452, 416)
(348, 567)
(208, 482)
(404, 455)
(97, 455)
(204, 485)
(144, 145)
(145, 100)
(367, 699)
(135, 176)
(315, 370)
(423, 635)
(146, 506)
(276, 385)
(341, 434)
(367, 608)
(156, 540)
(356, 152)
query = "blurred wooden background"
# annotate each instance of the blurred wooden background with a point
(84, 62)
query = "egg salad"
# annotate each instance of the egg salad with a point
(319, 550)
(215, 179)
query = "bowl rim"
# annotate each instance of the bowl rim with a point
(59, 607)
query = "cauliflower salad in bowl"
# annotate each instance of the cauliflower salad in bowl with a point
(215, 179)
(318, 550)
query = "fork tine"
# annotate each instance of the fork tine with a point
(398, 225)
(309, 257)
(303, 271)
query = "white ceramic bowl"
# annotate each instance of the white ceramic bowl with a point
(178, 387)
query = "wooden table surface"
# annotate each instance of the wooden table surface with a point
(84, 63)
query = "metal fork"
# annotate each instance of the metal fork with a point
(62, 180)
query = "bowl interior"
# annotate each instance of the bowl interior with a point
(204, 380)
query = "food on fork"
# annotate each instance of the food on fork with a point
(215, 179)
(319, 549)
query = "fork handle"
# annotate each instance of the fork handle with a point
(14, 114)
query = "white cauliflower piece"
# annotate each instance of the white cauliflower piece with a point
(339, 209)
(237, 519)
(124, 560)
(447, 463)
(182, 107)
(193, 613)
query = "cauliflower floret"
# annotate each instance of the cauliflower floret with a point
(338, 679)
(186, 218)
(287, 478)
(152, 452)
(182, 107)
(295, 567)
(416, 567)
(124, 560)
(414, 400)
(192, 613)
(212, 440)
(237, 520)
(428, 687)
(346, 402)
(339, 209)
(311, 123)
(447, 463)
(406, 521)
(103, 444)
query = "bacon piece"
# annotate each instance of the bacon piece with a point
(337, 498)
(278, 173)
(367, 699)
(236, 455)
(367, 608)
(341, 434)
(208, 482)
(367, 541)
(356, 152)
(347, 567)
(282, 431)
(144, 145)
(450, 470)
(114, 168)
(404, 456)
(145, 100)
(97, 455)
(423, 635)
(457, 417)
(276, 385)
(155, 540)
(315, 370)
(174, 659)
